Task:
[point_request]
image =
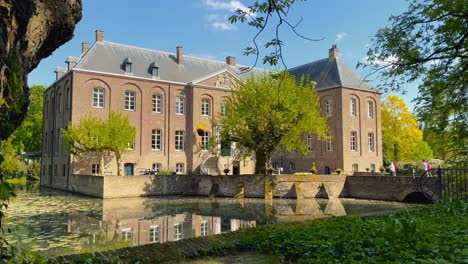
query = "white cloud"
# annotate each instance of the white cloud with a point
(222, 26)
(340, 36)
(221, 10)
(225, 5)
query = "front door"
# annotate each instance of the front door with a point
(128, 168)
(235, 168)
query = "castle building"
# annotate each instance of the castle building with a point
(166, 95)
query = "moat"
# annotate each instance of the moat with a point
(55, 223)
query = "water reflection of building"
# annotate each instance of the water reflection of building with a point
(135, 221)
(158, 230)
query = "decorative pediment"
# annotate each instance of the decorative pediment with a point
(223, 79)
(226, 80)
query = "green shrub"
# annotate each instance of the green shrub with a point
(33, 171)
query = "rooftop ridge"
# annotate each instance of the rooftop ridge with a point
(173, 53)
(308, 63)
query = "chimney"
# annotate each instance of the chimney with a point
(84, 47)
(99, 36)
(71, 62)
(180, 59)
(231, 60)
(333, 53)
(59, 72)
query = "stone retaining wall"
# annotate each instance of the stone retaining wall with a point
(250, 186)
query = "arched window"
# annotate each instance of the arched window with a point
(353, 106)
(328, 107)
(130, 101)
(370, 109)
(206, 107)
(98, 97)
(224, 107)
(157, 103)
(180, 105)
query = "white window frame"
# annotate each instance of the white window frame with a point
(205, 140)
(156, 166)
(180, 105)
(354, 168)
(328, 107)
(205, 107)
(310, 143)
(180, 168)
(95, 169)
(155, 71)
(130, 145)
(126, 234)
(155, 234)
(178, 231)
(130, 101)
(353, 106)
(179, 140)
(156, 139)
(98, 97)
(370, 109)
(157, 103)
(329, 143)
(224, 107)
(370, 142)
(128, 67)
(353, 144)
(204, 228)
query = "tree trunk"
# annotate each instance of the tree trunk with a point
(263, 159)
(118, 159)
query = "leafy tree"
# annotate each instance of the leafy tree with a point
(9, 161)
(93, 134)
(434, 139)
(428, 43)
(271, 113)
(29, 133)
(120, 134)
(402, 140)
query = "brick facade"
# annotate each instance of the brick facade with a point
(70, 99)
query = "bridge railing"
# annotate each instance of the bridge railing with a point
(453, 182)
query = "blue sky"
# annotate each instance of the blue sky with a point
(201, 27)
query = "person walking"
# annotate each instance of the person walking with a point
(424, 166)
(392, 169)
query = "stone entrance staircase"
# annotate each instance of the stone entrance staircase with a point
(209, 164)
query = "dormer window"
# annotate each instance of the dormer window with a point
(154, 70)
(128, 65)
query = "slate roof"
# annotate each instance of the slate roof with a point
(108, 57)
(331, 74)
